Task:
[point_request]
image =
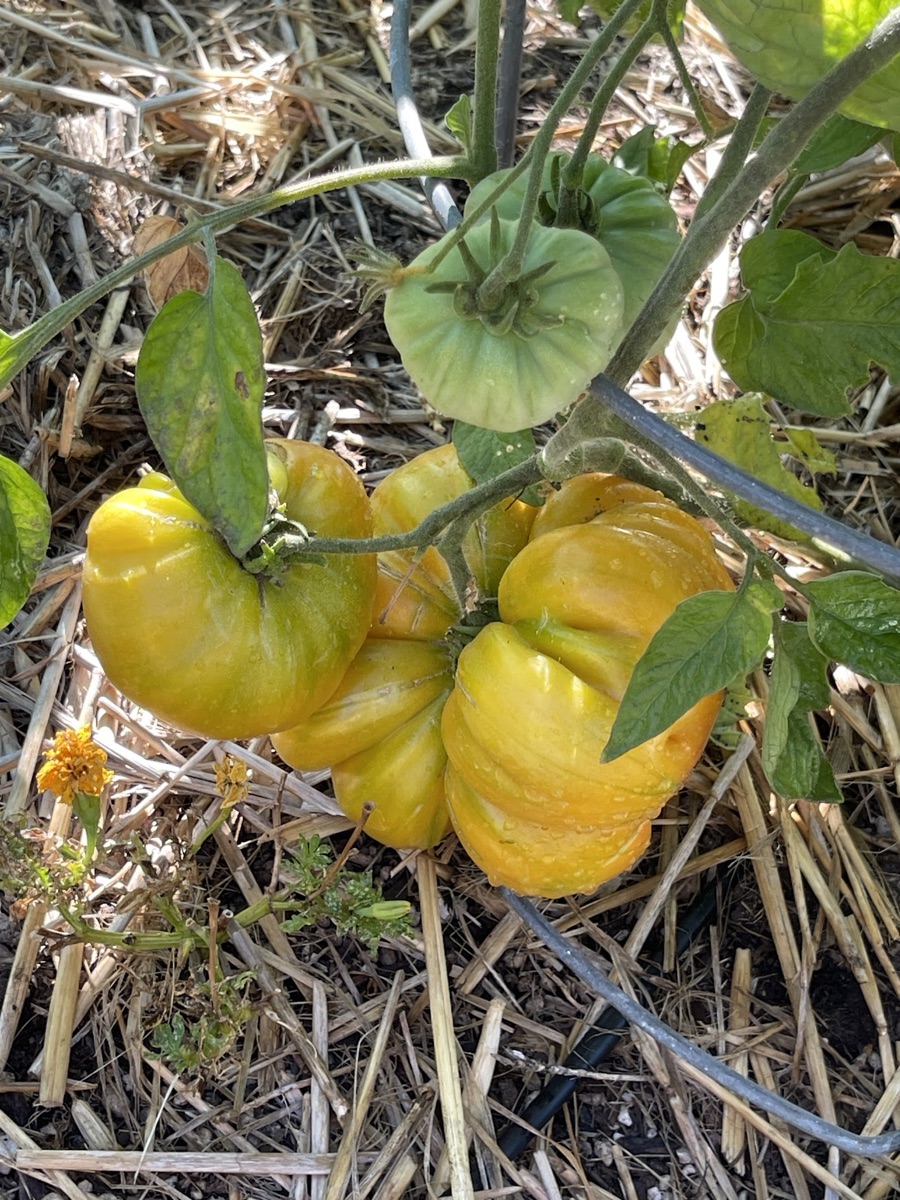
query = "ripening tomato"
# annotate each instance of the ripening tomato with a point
(181, 628)
(505, 742)
(790, 47)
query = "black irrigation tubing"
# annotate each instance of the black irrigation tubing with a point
(510, 78)
(603, 1037)
(694, 455)
(866, 550)
(779, 1108)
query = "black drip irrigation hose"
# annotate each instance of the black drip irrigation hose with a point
(602, 1038)
(865, 549)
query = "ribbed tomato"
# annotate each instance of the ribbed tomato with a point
(180, 626)
(633, 223)
(524, 358)
(506, 742)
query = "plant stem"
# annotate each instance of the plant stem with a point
(574, 170)
(709, 232)
(740, 143)
(20, 348)
(510, 268)
(483, 152)
(664, 29)
(470, 505)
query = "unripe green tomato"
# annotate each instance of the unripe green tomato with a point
(183, 630)
(635, 225)
(791, 46)
(507, 743)
(492, 373)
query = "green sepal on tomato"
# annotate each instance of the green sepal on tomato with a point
(789, 47)
(529, 353)
(505, 742)
(185, 631)
(634, 224)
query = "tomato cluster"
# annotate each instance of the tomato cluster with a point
(504, 740)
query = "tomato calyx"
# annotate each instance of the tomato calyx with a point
(283, 544)
(503, 305)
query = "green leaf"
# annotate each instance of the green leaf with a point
(14, 354)
(710, 640)
(24, 536)
(804, 445)
(459, 122)
(836, 141)
(658, 159)
(801, 771)
(854, 619)
(793, 644)
(200, 382)
(812, 323)
(485, 454)
(792, 757)
(739, 431)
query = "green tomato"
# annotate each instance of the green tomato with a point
(631, 221)
(791, 46)
(528, 357)
(634, 224)
(182, 629)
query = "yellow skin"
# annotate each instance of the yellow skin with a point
(183, 630)
(528, 710)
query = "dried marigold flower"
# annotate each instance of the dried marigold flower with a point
(73, 764)
(232, 779)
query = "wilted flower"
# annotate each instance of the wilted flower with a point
(74, 764)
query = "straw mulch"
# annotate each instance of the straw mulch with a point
(336, 1072)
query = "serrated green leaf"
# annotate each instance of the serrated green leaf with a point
(854, 618)
(804, 445)
(710, 640)
(808, 341)
(485, 454)
(739, 431)
(24, 536)
(459, 122)
(836, 141)
(200, 382)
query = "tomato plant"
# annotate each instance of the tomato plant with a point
(506, 742)
(182, 628)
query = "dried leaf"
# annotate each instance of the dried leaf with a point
(180, 271)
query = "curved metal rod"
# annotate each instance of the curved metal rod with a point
(436, 192)
(683, 448)
(700, 1060)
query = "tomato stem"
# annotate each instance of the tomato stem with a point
(482, 152)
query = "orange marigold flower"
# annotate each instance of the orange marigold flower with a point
(74, 763)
